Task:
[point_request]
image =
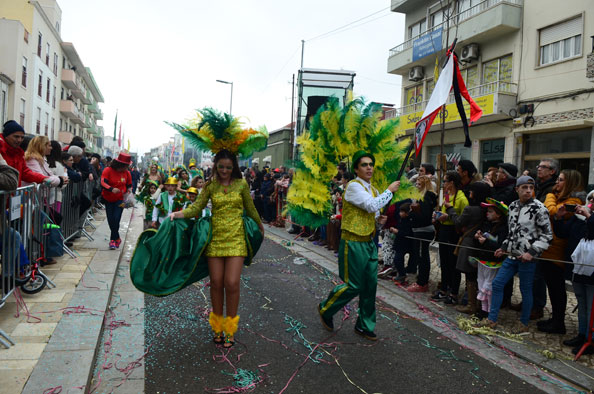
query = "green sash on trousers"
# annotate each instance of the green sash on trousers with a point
(357, 264)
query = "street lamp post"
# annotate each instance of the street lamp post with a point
(231, 102)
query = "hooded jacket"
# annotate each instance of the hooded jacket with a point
(15, 157)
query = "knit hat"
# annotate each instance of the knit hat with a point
(11, 127)
(511, 169)
(525, 179)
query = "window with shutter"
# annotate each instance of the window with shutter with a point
(561, 41)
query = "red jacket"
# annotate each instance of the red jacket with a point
(110, 178)
(15, 157)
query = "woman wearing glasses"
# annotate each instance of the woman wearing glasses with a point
(230, 196)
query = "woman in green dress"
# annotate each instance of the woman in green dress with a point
(226, 252)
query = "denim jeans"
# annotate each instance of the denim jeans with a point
(508, 269)
(584, 294)
(113, 210)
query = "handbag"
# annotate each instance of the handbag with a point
(54, 246)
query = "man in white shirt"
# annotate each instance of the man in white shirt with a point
(357, 253)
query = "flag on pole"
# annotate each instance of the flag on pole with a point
(115, 125)
(450, 78)
(120, 137)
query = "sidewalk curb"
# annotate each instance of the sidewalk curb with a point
(68, 358)
(413, 306)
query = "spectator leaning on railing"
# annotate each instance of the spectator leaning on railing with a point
(12, 135)
(9, 177)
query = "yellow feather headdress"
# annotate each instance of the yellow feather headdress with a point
(214, 131)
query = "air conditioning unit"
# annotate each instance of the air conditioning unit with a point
(469, 53)
(416, 73)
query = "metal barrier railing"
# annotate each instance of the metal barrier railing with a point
(280, 203)
(25, 226)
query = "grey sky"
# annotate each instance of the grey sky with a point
(158, 60)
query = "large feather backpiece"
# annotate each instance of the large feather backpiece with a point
(334, 135)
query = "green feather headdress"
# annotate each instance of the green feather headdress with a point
(334, 135)
(214, 131)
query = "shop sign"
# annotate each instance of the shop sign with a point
(426, 45)
(487, 104)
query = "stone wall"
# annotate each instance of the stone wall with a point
(584, 113)
(590, 66)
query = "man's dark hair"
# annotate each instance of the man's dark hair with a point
(78, 143)
(429, 168)
(405, 207)
(469, 167)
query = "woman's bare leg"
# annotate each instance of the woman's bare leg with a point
(216, 269)
(233, 266)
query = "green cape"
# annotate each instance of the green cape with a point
(167, 260)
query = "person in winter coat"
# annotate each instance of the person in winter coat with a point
(583, 272)
(489, 238)
(467, 224)
(504, 188)
(68, 161)
(448, 235)
(421, 213)
(547, 172)
(568, 192)
(10, 140)
(9, 177)
(38, 149)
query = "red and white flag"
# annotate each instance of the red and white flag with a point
(450, 78)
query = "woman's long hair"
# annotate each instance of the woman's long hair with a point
(36, 149)
(225, 154)
(425, 185)
(573, 183)
(480, 192)
(56, 155)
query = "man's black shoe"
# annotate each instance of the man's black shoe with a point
(293, 231)
(326, 322)
(552, 328)
(544, 323)
(576, 341)
(365, 334)
(589, 350)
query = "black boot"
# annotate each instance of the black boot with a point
(575, 341)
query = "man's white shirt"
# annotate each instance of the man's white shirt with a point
(360, 195)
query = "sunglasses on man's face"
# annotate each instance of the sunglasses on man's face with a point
(222, 167)
(365, 165)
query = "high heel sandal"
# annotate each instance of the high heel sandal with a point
(219, 338)
(216, 323)
(230, 328)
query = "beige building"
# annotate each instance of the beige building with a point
(43, 83)
(519, 60)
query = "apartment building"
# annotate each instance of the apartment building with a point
(524, 63)
(43, 83)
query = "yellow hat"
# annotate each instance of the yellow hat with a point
(192, 190)
(171, 181)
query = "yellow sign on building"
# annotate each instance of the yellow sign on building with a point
(487, 104)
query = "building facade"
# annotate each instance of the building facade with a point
(278, 151)
(523, 63)
(43, 83)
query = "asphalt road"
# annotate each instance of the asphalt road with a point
(282, 347)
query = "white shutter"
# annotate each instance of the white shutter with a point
(561, 31)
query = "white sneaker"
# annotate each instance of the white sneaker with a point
(383, 274)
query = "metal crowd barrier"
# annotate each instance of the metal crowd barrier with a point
(24, 234)
(17, 228)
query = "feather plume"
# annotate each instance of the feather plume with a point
(334, 135)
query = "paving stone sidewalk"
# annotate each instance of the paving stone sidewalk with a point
(33, 331)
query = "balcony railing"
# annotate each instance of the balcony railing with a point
(500, 87)
(457, 18)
